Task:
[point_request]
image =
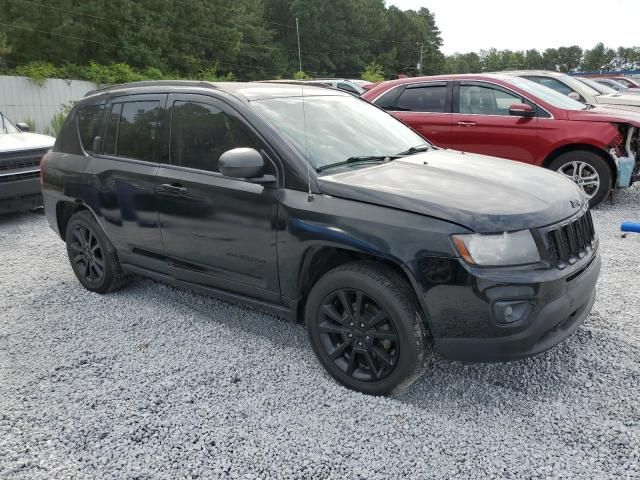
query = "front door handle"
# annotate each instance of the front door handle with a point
(172, 188)
(462, 123)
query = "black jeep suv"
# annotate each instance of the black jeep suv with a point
(316, 205)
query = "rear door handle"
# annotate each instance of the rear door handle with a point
(462, 123)
(172, 188)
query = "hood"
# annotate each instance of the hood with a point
(608, 114)
(13, 142)
(618, 99)
(484, 194)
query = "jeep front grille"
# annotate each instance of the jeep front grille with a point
(571, 241)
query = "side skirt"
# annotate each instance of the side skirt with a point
(288, 312)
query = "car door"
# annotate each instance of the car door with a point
(123, 173)
(426, 107)
(217, 231)
(482, 122)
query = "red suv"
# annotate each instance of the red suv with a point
(515, 118)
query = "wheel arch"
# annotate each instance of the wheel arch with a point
(317, 260)
(574, 147)
(64, 211)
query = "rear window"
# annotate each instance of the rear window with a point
(90, 125)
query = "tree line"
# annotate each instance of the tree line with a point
(563, 59)
(250, 39)
(124, 40)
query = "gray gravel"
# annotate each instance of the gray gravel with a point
(154, 382)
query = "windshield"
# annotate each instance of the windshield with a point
(602, 89)
(338, 128)
(625, 82)
(583, 89)
(547, 95)
(6, 126)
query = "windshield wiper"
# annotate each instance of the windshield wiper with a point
(362, 159)
(589, 106)
(418, 149)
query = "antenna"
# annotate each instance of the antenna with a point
(304, 118)
(299, 53)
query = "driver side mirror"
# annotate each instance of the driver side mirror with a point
(23, 127)
(522, 110)
(575, 96)
(244, 163)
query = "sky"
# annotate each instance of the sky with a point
(472, 25)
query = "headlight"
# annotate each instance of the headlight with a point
(514, 248)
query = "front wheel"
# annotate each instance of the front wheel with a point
(366, 328)
(587, 170)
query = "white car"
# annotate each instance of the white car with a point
(340, 83)
(578, 90)
(20, 155)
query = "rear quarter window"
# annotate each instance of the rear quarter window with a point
(424, 99)
(90, 120)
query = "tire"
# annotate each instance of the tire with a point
(379, 348)
(91, 254)
(581, 165)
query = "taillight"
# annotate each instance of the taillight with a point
(42, 162)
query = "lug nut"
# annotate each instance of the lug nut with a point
(350, 335)
(362, 325)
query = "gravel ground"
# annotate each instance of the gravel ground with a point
(155, 382)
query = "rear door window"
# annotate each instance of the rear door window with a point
(137, 130)
(90, 125)
(431, 98)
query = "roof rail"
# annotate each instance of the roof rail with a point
(153, 83)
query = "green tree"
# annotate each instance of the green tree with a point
(598, 58)
(373, 73)
(533, 60)
(569, 58)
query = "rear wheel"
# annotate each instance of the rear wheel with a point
(587, 170)
(91, 254)
(367, 329)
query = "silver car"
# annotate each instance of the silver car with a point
(578, 90)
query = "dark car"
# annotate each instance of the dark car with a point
(327, 210)
(20, 156)
(514, 118)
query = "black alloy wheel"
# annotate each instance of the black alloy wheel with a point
(92, 256)
(88, 257)
(367, 328)
(358, 335)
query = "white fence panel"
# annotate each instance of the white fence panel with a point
(22, 99)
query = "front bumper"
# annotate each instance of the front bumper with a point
(468, 330)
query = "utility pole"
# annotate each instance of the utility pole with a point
(420, 64)
(299, 54)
